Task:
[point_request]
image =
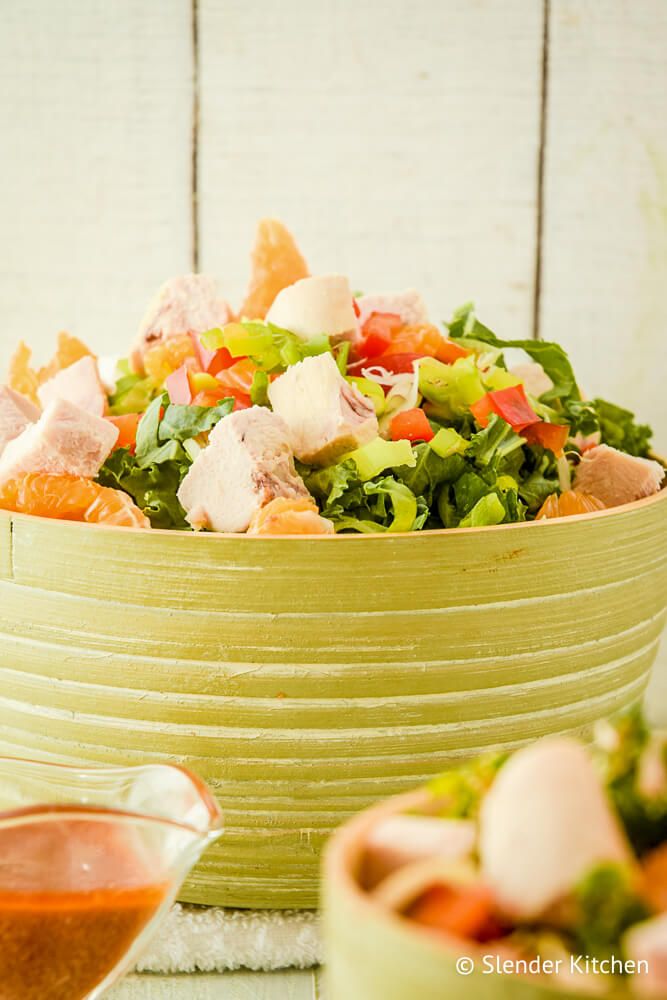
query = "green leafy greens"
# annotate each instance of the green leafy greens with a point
(153, 474)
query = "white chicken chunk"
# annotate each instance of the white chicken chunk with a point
(647, 942)
(402, 840)
(80, 383)
(66, 440)
(544, 824)
(616, 478)
(315, 306)
(189, 303)
(534, 378)
(326, 415)
(247, 463)
(409, 305)
(16, 413)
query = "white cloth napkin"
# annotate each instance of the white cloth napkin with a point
(210, 939)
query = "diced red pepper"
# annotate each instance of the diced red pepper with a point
(511, 404)
(221, 360)
(377, 333)
(397, 364)
(355, 306)
(551, 436)
(127, 425)
(178, 386)
(465, 912)
(482, 410)
(411, 425)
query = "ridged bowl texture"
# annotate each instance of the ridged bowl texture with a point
(305, 678)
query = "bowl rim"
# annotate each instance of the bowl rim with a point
(596, 515)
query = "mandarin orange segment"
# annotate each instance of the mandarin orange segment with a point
(276, 263)
(69, 350)
(165, 357)
(21, 377)
(569, 503)
(283, 516)
(70, 498)
(422, 338)
(238, 376)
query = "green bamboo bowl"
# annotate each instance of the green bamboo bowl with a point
(373, 954)
(305, 678)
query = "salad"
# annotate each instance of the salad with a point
(311, 410)
(549, 862)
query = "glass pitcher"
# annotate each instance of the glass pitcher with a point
(90, 860)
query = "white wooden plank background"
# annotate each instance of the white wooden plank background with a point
(398, 139)
(95, 126)
(401, 142)
(605, 213)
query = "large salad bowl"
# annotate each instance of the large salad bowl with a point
(305, 678)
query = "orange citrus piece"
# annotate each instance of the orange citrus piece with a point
(69, 350)
(290, 517)
(238, 376)
(168, 355)
(21, 376)
(25, 379)
(70, 498)
(276, 263)
(568, 503)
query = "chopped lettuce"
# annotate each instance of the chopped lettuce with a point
(621, 746)
(618, 429)
(494, 443)
(166, 447)
(380, 504)
(132, 393)
(606, 903)
(466, 329)
(182, 422)
(489, 509)
(152, 486)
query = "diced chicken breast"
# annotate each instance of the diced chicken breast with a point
(189, 303)
(534, 378)
(544, 824)
(80, 383)
(616, 478)
(400, 840)
(326, 415)
(313, 306)
(65, 440)
(647, 942)
(247, 463)
(16, 413)
(409, 305)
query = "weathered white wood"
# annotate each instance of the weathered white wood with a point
(605, 236)
(398, 140)
(95, 192)
(230, 986)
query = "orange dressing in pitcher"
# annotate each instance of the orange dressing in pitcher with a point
(74, 894)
